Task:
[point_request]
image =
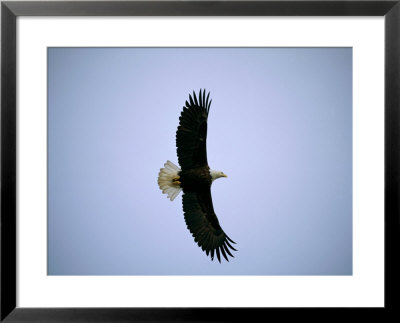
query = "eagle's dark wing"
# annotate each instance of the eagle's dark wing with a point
(192, 132)
(203, 224)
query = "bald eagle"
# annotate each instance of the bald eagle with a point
(194, 178)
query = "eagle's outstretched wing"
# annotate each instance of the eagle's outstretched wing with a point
(203, 224)
(198, 208)
(191, 135)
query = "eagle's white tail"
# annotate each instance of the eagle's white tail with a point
(165, 180)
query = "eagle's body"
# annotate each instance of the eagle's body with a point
(195, 178)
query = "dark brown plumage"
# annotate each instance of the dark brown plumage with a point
(195, 178)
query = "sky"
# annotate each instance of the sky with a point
(280, 127)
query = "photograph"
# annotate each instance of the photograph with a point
(154, 150)
(199, 161)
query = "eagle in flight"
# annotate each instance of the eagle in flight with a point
(195, 177)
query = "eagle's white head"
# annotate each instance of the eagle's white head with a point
(216, 174)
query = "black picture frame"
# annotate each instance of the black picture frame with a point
(10, 10)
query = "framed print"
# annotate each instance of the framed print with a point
(298, 101)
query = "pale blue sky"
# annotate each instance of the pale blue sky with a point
(280, 126)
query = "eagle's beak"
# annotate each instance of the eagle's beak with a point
(224, 175)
